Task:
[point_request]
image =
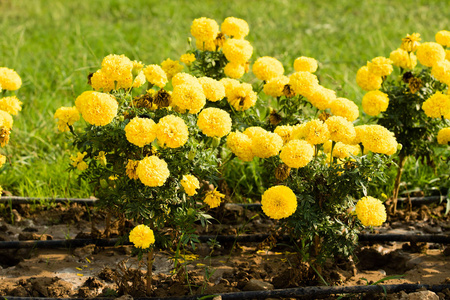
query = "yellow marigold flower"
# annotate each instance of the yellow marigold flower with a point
(184, 78)
(101, 82)
(370, 211)
(314, 132)
(305, 64)
(237, 50)
(66, 116)
(443, 136)
(155, 75)
(130, 169)
(345, 108)
(304, 83)
(9, 79)
(235, 28)
(360, 131)
(171, 67)
(142, 236)
(2, 162)
(234, 70)
(139, 80)
(321, 97)
(430, 53)
(367, 80)
(279, 202)
(6, 120)
(4, 134)
(188, 97)
(11, 105)
(172, 132)
(443, 38)
(242, 97)
(285, 132)
(96, 108)
(187, 58)
(441, 71)
(77, 161)
(140, 131)
(380, 66)
(378, 139)
(213, 89)
(214, 122)
(137, 67)
(411, 42)
(204, 29)
(267, 145)
(118, 69)
(447, 54)
(275, 86)
(375, 102)
(341, 150)
(403, 59)
(341, 130)
(229, 84)
(300, 132)
(241, 145)
(266, 68)
(213, 198)
(297, 153)
(254, 132)
(190, 183)
(152, 171)
(437, 105)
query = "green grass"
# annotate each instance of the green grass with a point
(53, 45)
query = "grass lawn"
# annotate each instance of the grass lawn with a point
(55, 44)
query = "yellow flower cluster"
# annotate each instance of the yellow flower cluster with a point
(441, 71)
(213, 89)
(78, 162)
(213, 198)
(204, 29)
(234, 70)
(187, 59)
(321, 97)
(341, 130)
(9, 79)
(314, 132)
(368, 81)
(443, 136)
(437, 106)
(275, 86)
(285, 132)
(297, 153)
(430, 53)
(214, 122)
(66, 116)
(279, 202)
(11, 105)
(140, 131)
(241, 96)
(304, 83)
(171, 67)
(155, 75)
(96, 108)
(305, 64)
(152, 171)
(380, 66)
(370, 211)
(188, 97)
(443, 38)
(241, 145)
(190, 183)
(403, 59)
(237, 50)
(142, 236)
(345, 108)
(235, 28)
(266, 144)
(172, 132)
(266, 68)
(378, 139)
(375, 102)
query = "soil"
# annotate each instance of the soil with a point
(92, 271)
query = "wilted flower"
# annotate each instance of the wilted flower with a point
(130, 169)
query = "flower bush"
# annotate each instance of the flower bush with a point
(410, 100)
(159, 154)
(10, 106)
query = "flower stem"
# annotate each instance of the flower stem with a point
(149, 271)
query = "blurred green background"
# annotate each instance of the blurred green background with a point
(55, 44)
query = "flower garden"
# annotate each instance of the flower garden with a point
(217, 171)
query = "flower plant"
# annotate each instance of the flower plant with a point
(157, 153)
(409, 99)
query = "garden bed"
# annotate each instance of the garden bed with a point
(91, 271)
